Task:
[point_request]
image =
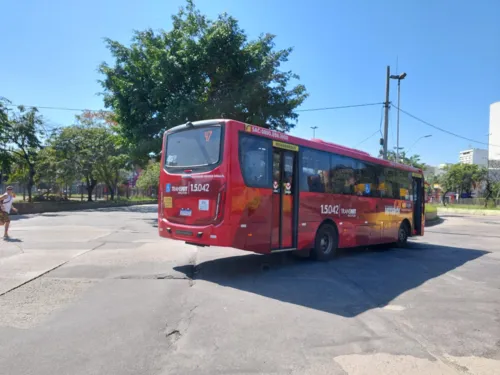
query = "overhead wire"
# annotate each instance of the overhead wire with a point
(377, 131)
(57, 108)
(104, 110)
(338, 107)
(301, 110)
(443, 130)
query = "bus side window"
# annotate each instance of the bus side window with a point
(342, 174)
(254, 155)
(315, 168)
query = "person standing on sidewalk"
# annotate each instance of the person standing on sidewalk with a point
(6, 200)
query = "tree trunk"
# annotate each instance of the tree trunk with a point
(31, 182)
(111, 189)
(444, 197)
(91, 184)
(489, 194)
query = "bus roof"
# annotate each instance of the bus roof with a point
(313, 143)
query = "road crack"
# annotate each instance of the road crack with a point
(180, 328)
(51, 269)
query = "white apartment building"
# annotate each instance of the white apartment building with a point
(474, 156)
(494, 133)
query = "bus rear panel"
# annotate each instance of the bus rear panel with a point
(193, 183)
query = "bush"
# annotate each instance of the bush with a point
(50, 198)
(430, 208)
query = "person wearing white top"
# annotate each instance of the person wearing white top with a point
(6, 201)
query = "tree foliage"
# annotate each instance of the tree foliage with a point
(492, 188)
(149, 177)
(112, 159)
(92, 150)
(23, 133)
(199, 69)
(413, 160)
(462, 178)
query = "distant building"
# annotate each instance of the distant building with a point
(429, 170)
(494, 133)
(436, 171)
(476, 156)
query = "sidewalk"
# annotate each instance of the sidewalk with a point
(468, 211)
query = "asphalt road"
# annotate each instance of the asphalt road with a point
(98, 292)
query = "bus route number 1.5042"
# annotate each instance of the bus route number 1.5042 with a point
(200, 187)
(330, 209)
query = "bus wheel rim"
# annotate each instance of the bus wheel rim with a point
(402, 234)
(326, 243)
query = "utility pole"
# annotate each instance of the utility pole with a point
(399, 77)
(314, 130)
(386, 104)
(397, 121)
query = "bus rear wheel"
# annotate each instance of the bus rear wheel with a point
(325, 243)
(403, 233)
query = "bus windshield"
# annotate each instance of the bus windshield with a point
(193, 147)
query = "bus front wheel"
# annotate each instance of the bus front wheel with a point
(325, 243)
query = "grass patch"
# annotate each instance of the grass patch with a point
(463, 207)
(430, 208)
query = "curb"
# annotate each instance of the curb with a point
(25, 208)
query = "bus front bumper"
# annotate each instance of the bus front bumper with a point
(209, 235)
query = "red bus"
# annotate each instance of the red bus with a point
(226, 183)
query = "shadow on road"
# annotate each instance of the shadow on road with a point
(357, 281)
(19, 217)
(10, 239)
(433, 223)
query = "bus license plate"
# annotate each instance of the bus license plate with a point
(185, 212)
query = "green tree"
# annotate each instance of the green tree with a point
(5, 157)
(23, 133)
(92, 151)
(462, 178)
(47, 167)
(112, 159)
(149, 177)
(200, 69)
(18, 172)
(492, 179)
(413, 160)
(79, 146)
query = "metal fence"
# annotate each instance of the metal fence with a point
(473, 202)
(78, 192)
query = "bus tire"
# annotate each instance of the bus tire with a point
(403, 234)
(325, 243)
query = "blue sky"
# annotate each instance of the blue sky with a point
(449, 49)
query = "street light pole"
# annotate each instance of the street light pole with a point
(314, 130)
(386, 116)
(399, 77)
(397, 126)
(414, 143)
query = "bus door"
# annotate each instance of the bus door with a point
(418, 203)
(285, 196)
